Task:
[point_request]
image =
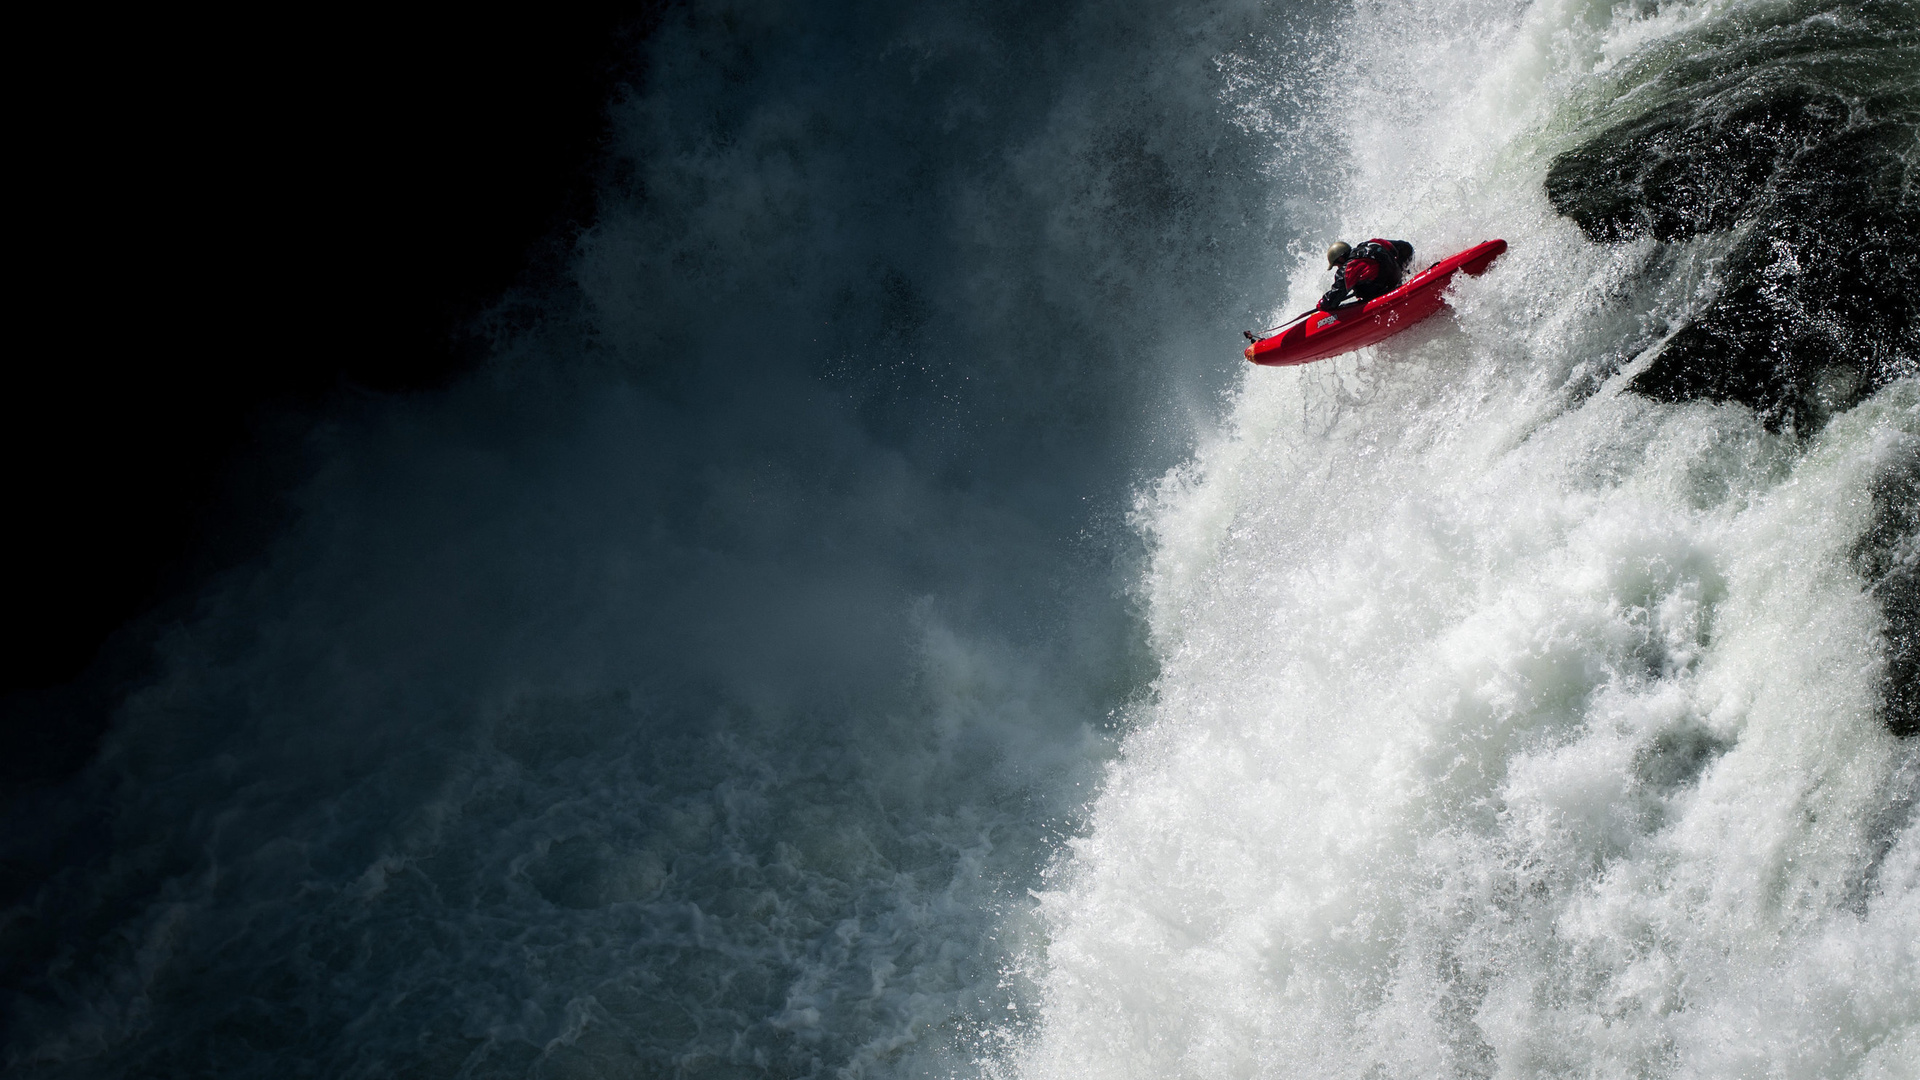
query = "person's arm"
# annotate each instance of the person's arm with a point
(1336, 294)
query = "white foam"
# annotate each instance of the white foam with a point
(1504, 728)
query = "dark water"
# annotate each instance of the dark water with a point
(698, 688)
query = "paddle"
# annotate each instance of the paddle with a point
(1345, 305)
(1248, 334)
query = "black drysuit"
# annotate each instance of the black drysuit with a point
(1371, 269)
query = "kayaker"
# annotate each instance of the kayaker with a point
(1375, 268)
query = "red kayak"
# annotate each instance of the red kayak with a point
(1319, 334)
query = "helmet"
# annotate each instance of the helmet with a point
(1337, 254)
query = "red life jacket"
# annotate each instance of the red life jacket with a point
(1357, 271)
(1370, 261)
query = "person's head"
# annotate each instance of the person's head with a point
(1337, 254)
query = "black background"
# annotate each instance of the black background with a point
(232, 228)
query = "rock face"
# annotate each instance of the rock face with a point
(1798, 131)
(1800, 136)
(1888, 558)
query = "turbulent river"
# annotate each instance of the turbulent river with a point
(867, 621)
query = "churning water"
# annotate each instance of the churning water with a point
(868, 622)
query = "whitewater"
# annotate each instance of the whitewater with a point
(1508, 724)
(867, 621)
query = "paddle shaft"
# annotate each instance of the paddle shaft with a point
(1269, 332)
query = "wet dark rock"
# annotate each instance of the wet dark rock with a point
(1683, 171)
(1887, 555)
(1800, 139)
(1817, 307)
